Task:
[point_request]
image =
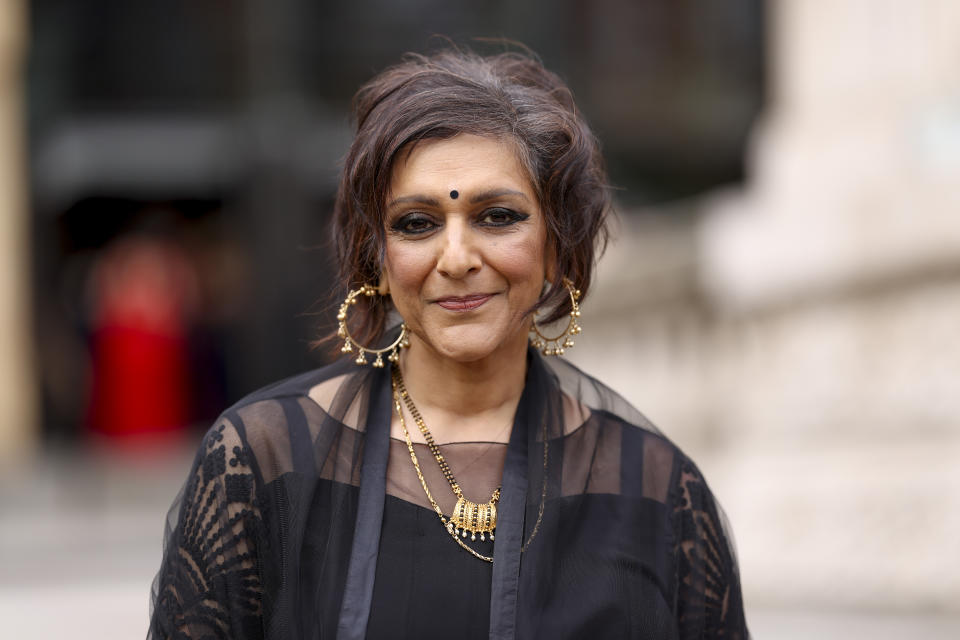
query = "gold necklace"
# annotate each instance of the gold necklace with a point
(467, 516)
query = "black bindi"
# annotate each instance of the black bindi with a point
(454, 194)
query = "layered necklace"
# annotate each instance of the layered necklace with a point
(468, 517)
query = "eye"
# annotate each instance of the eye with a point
(413, 224)
(500, 217)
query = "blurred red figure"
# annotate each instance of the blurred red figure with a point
(142, 292)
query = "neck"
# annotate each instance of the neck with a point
(466, 400)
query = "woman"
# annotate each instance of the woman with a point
(453, 481)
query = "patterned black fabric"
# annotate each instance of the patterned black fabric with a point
(606, 528)
(708, 595)
(209, 585)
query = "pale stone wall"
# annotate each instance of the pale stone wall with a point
(801, 339)
(855, 166)
(18, 411)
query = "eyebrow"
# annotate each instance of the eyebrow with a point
(419, 199)
(483, 196)
(490, 194)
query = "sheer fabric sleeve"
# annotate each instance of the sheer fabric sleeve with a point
(709, 602)
(209, 583)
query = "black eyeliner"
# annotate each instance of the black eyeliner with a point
(400, 224)
(514, 217)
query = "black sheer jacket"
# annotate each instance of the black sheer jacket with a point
(303, 518)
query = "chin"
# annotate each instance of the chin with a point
(465, 352)
(471, 344)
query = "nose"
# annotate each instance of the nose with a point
(459, 253)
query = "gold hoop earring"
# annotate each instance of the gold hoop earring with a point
(542, 342)
(350, 344)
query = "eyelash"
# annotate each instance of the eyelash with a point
(404, 223)
(512, 216)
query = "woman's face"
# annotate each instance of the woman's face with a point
(466, 246)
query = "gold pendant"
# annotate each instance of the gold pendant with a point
(473, 518)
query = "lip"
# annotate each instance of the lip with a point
(463, 303)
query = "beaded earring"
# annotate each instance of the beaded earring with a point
(555, 346)
(350, 345)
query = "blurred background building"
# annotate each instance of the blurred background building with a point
(787, 179)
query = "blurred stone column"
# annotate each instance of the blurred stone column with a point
(835, 278)
(18, 411)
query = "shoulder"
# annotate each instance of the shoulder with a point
(271, 424)
(294, 386)
(595, 397)
(608, 427)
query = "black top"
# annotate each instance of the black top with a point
(426, 586)
(302, 518)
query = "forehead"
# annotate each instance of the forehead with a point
(461, 163)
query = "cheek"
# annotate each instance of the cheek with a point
(522, 260)
(404, 266)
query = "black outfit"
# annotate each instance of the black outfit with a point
(302, 518)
